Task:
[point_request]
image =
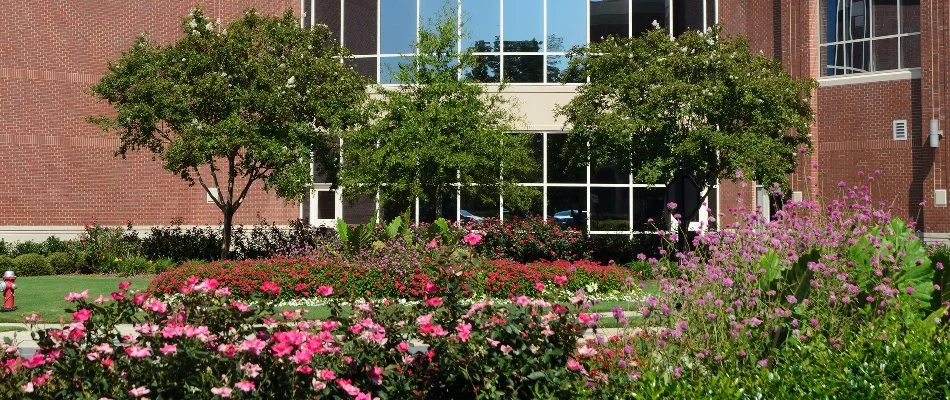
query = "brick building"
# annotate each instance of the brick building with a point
(881, 67)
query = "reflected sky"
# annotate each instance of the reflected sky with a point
(397, 25)
(524, 23)
(567, 24)
(482, 19)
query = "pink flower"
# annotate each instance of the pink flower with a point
(375, 375)
(560, 280)
(434, 302)
(325, 291)
(270, 288)
(77, 296)
(156, 306)
(348, 387)
(35, 361)
(432, 244)
(223, 391)
(168, 348)
(539, 286)
(326, 374)
(82, 315)
(465, 331)
(252, 370)
(245, 386)
(253, 346)
(139, 391)
(125, 285)
(573, 365)
(318, 385)
(138, 351)
(240, 306)
(472, 239)
(403, 347)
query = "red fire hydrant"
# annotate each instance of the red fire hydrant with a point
(8, 286)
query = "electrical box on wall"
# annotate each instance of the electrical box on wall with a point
(796, 196)
(940, 198)
(215, 192)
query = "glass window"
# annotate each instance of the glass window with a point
(567, 24)
(481, 19)
(607, 174)
(558, 169)
(710, 13)
(609, 17)
(486, 69)
(365, 66)
(852, 31)
(328, 13)
(648, 12)
(557, 68)
(610, 209)
(389, 67)
(476, 207)
(535, 143)
(687, 16)
(359, 27)
(434, 10)
(429, 210)
(397, 25)
(568, 206)
(533, 210)
(648, 208)
(524, 25)
(524, 69)
(326, 204)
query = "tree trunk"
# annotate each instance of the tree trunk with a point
(226, 232)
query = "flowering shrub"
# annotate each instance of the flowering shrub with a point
(400, 279)
(211, 343)
(531, 239)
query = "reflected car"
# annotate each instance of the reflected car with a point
(566, 217)
(467, 216)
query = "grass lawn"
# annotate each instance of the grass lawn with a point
(44, 294)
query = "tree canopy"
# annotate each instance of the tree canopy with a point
(437, 132)
(701, 101)
(230, 106)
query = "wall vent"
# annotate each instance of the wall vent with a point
(215, 191)
(900, 129)
(940, 197)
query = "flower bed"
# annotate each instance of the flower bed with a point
(298, 278)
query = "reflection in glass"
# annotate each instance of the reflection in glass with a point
(389, 67)
(607, 174)
(885, 54)
(710, 13)
(687, 16)
(910, 16)
(533, 210)
(524, 69)
(524, 24)
(430, 211)
(567, 22)
(326, 204)
(557, 68)
(393, 208)
(359, 27)
(535, 143)
(609, 17)
(910, 51)
(567, 206)
(558, 168)
(646, 12)
(475, 208)
(431, 11)
(364, 66)
(397, 26)
(481, 19)
(884, 18)
(648, 209)
(485, 69)
(610, 209)
(328, 13)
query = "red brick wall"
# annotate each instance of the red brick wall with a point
(55, 168)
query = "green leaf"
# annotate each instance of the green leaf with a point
(770, 263)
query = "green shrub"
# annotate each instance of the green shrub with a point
(101, 248)
(6, 263)
(31, 264)
(54, 244)
(28, 247)
(161, 265)
(62, 263)
(5, 248)
(134, 266)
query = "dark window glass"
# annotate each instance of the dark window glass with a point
(567, 22)
(885, 54)
(524, 25)
(475, 207)
(910, 16)
(648, 208)
(359, 26)
(430, 211)
(710, 13)
(910, 51)
(328, 13)
(389, 67)
(649, 13)
(365, 66)
(557, 68)
(307, 10)
(359, 210)
(609, 17)
(607, 174)
(481, 20)
(567, 206)
(534, 209)
(394, 208)
(524, 69)
(884, 13)
(535, 143)
(610, 209)
(558, 170)
(485, 69)
(687, 16)
(397, 25)
(326, 204)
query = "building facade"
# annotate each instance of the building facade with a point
(882, 68)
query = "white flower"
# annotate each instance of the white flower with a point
(209, 26)
(656, 24)
(193, 24)
(292, 82)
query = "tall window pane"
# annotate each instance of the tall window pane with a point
(524, 25)
(687, 16)
(567, 24)
(648, 12)
(884, 16)
(558, 169)
(328, 13)
(524, 69)
(557, 69)
(910, 51)
(610, 209)
(910, 16)
(397, 26)
(486, 69)
(359, 26)
(482, 21)
(435, 10)
(389, 67)
(648, 208)
(568, 206)
(609, 17)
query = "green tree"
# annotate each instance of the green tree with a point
(701, 101)
(230, 106)
(437, 131)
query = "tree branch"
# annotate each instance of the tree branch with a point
(253, 176)
(208, 191)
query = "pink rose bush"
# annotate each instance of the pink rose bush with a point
(206, 343)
